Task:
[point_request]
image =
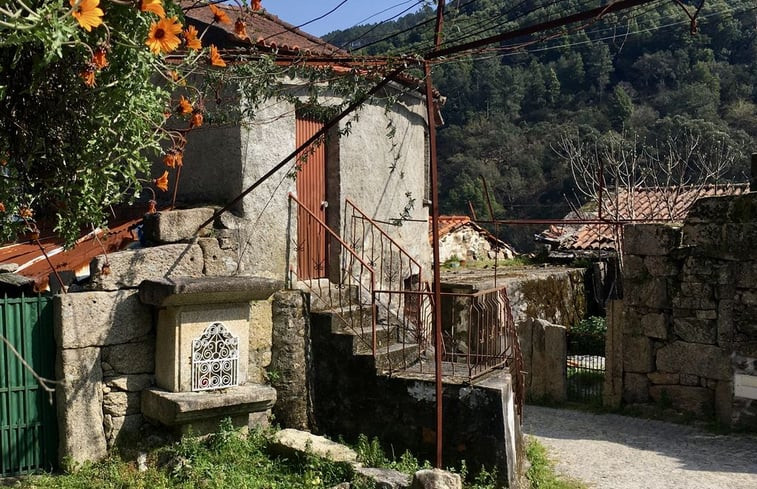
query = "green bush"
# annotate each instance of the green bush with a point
(588, 337)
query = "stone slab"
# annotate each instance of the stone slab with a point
(291, 441)
(85, 319)
(385, 478)
(127, 269)
(218, 261)
(177, 225)
(178, 408)
(117, 403)
(697, 400)
(693, 358)
(207, 290)
(650, 239)
(80, 398)
(131, 358)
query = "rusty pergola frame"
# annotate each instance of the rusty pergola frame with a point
(436, 54)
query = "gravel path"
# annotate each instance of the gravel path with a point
(609, 451)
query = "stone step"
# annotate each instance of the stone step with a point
(393, 357)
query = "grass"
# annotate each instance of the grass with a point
(229, 461)
(541, 474)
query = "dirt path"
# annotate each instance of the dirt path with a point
(609, 451)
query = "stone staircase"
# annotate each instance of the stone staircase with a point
(348, 319)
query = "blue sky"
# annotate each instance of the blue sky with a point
(351, 13)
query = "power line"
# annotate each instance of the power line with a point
(309, 21)
(343, 45)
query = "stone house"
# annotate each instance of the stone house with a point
(462, 238)
(145, 339)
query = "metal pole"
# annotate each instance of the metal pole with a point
(431, 114)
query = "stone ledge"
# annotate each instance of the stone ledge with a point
(291, 441)
(178, 408)
(206, 290)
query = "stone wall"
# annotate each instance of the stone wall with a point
(106, 336)
(689, 328)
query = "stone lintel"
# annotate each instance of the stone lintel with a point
(206, 290)
(178, 408)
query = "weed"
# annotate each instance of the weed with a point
(541, 474)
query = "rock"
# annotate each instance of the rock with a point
(218, 262)
(80, 413)
(651, 293)
(660, 266)
(696, 330)
(343, 485)
(11, 282)
(130, 383)
(547, 347)
(637, 354)
(8, 267)
(100, 318)
(693, 358)
(121, 430)
(177, 225)
(130, 267)
(654, 325)
(436, 479)
(121, 403)
(697, 400)
(664, 378)
(290, 441)
(385, 478)
(132, 358)
(635, 388)
(650, 239)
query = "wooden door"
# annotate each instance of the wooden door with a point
(312, 252)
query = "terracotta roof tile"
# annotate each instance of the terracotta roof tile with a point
(655, 204)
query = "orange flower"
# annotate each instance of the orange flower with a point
(87, 13)
(2, 207)
(185, 107)
(256, 5)
(190, 37)
(163, 36)
(174, 158)
(25, 213)
(162, 182)
(215, 58)
(174, 75)
(196, 120)
(88, 75)
(219, 15)
(154, 6)
(99, 59)
(240, 29)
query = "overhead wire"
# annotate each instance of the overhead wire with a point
(323, 16)
(589, 41)
(343, 45)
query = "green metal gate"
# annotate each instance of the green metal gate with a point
(28, 426)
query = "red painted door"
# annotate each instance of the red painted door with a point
(311, 191)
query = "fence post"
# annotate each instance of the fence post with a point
(613, 388)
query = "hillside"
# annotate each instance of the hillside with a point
(639, 77)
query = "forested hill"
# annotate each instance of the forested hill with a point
(639, 77)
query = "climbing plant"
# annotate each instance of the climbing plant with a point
(93, 91)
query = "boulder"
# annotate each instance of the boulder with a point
(436, 479)
(291, 441)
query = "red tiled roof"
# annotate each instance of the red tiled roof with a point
(450, 224)
(662, 204)
(265, 31)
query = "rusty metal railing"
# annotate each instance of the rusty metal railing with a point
(341, 281)
(478, 333)
(395, 268)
